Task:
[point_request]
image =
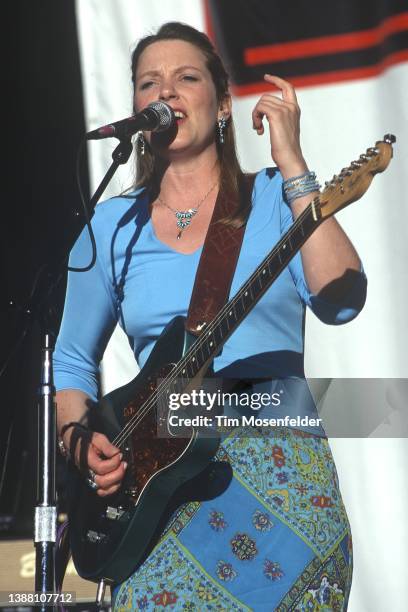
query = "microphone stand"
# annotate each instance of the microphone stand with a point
(45, 516)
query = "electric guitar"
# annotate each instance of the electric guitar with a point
(111, 537)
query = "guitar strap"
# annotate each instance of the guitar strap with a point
(219, 258)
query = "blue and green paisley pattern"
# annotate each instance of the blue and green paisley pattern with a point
(277, 538)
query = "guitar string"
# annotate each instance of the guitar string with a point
(152, 401)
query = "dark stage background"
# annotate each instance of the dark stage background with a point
(43, 122)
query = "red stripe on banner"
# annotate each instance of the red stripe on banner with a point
(324, 78)
(208, 21)
(326, 44)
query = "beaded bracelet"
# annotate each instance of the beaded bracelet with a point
(299, 181)
(298, 186)
(301, 178)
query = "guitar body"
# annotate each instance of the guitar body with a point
(111, 536)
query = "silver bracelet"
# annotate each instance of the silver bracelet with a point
(62, 448)
(298, 186)
(301, 178)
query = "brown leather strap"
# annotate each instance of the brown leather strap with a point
(218, 259)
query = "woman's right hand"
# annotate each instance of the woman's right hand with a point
(93, 451)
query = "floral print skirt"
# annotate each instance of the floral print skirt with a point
(274, 535)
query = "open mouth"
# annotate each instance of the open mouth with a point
(179, 115)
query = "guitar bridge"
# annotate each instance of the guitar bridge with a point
(114, 513)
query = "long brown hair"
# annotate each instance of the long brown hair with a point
(230, 170)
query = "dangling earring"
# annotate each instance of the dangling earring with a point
(222, 124)
(141, 143)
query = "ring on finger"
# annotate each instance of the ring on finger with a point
(91, 480)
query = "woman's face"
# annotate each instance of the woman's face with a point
(175, 72)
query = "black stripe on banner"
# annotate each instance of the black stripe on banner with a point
(307, 42)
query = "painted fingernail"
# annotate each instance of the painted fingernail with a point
(125, 465)
(120, 456)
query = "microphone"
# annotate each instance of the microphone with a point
(156, 117)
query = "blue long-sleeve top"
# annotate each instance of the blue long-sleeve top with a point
(144, 283)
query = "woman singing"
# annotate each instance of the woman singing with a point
(276, 535)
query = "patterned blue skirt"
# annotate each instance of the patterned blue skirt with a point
(276, 538)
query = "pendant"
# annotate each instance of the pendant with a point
(184, 219)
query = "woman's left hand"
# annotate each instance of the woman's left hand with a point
(283, 116)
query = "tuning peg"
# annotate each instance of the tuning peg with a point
(364, 157)
(372, 151)
(356, 164)
(389, 138)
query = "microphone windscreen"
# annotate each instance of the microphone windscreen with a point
(165, 113)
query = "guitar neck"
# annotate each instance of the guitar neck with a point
(217, 332)
(345, 188)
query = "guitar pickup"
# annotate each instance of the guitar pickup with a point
(113, 513)
(94, 537)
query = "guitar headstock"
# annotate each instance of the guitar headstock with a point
(353, 181)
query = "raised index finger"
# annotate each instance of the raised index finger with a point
(288, 91)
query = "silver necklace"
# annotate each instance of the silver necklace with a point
(184, 217)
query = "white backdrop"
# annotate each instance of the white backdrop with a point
(338, 123)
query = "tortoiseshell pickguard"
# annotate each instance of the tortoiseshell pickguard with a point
(149, 451)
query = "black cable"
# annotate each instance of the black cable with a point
(86, 212)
